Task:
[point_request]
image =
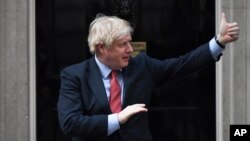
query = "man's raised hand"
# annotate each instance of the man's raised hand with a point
(228, 32)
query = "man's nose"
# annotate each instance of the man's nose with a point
(130, 48)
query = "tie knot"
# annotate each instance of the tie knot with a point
(114, 73)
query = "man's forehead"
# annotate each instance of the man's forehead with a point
(124, 38)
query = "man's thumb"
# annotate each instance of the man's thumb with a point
(223, 18)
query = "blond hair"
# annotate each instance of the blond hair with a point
(104, 30)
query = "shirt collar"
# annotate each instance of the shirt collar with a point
(105, 70)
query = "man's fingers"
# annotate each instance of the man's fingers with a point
(234, 24)
(234, 29)
(139, 105)
(233, 33)
(235, 37)
(136, 108)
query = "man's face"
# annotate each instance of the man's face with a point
(117, 55)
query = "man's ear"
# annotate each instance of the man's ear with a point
(100, 48)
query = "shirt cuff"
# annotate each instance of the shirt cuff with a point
(113, 123)
(215, 49)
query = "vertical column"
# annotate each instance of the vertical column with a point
(233, 70)
(15, 70)
(247, 17)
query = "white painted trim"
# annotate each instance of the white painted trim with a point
(219, 102)
(219, 86)
(32, 70)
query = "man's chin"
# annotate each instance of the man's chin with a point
(125, 65)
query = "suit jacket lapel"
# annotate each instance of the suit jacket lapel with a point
(130, 84)
(96, 84)
(127, 94)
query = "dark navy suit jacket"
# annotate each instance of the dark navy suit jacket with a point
(83, 106)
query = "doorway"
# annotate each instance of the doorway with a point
(180, 110)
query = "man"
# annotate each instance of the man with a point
(104, 98)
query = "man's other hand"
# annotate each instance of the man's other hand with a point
(129, 111)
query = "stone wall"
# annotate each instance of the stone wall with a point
(233, 71)
(15, 114)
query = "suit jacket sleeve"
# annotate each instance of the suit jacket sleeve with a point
(72, 119)
(176, 67)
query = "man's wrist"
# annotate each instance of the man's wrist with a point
(121, 118)
(220, 43)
